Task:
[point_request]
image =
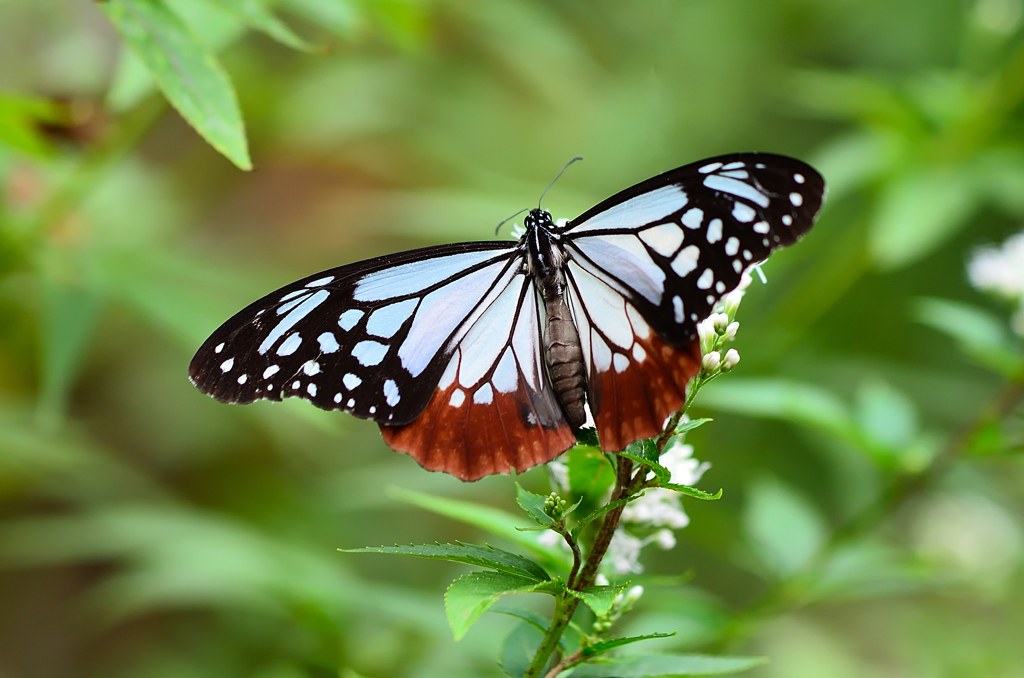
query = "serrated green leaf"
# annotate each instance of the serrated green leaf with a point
(690, 425)
(662, 474)
(647, 666)
(470, 595)
(692, 491)
(469, 554)
(605, 645)
(599, 512)
(495, 521)
(255, 14)
(533, 505)
(187, 73)
(599, 598)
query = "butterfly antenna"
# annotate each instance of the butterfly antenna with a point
(578, 157)
(506, 220)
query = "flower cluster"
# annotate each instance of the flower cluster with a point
(1001, 270)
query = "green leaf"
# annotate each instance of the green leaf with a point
(786, 400)
(644, 449)
(888, 417)
(981, 335)
(692, 491)
(256, 15)
(662, 474)
(786, 531)
(600, 598)
(519, 648)
(20, 118)
(642, 666)
(533, 504)
(605, 645)
(470, 554)
(918, 213)
(470, 595)
(189, 76)
(690, 425)
(570, 639)
(590, 473)
(598, 512)
(495, 521)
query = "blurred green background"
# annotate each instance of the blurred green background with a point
(869, 444)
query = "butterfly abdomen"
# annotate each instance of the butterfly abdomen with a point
(564, 358)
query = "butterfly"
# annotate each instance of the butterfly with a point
(480, 357)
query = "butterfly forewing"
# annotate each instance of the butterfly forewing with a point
(369, 338)
(676, 243)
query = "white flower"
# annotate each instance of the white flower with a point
(559, 476)
(730, 331)
(1001, 270)
(665, 539)
(719, 321)
(657, 508)
(623, 555)
(678, 459)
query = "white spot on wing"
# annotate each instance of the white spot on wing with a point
(243, 378)
(227, 365)
(734, 165)
(677, 309)
(386, 321)
(351, 381)
(337, 397)
(732, 246)
(328, 344)
(639, 354)
(391, 392)
(458, 397)
(320, 282)
(311, 389)
(369, 353)
(664, 239)
(284, 308)
(311, 367)
(602, 354)
(505, 378)
(484, 395)
(621, 362)
(736, 187)
(686, 261)
(290, 344)
(349, 318)
(292, 295)
(706, 169)
(787, 220)
(271, 371)
(719, 286)
(693, 218)
(743, 212)
(706, 279)
(297, 314)
(219, 348)
(761, 227)
(796, 199)
(798, 178)
(449, 372)
(714, 231)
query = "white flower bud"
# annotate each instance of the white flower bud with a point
(601, 580)
(708, 335)
(711, 362)
(632, 595)
(665, 539)
(720, 321)
(744, 281)
(732, 357)
(730, 331)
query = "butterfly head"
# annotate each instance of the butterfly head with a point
(538, 219)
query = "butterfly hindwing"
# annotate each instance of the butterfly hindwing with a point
(493, 408)
(369, 338)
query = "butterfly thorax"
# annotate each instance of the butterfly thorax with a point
(563, 355)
